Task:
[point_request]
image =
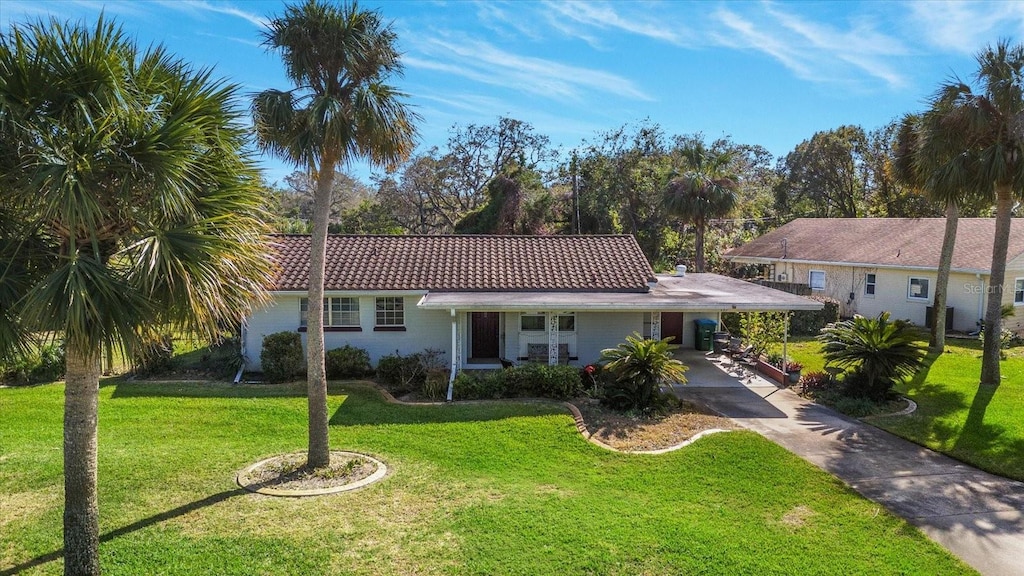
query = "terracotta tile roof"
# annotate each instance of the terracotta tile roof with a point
(468, 263)
(911, 242)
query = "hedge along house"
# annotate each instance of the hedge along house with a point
(870, 265)
(485, 301)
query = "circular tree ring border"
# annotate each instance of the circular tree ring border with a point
(379, 474)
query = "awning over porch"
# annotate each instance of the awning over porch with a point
(689, 293)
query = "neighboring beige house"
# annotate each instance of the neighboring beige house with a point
(874, 264)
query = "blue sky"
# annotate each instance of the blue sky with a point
(768, 73)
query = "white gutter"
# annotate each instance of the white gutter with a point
(776, 260)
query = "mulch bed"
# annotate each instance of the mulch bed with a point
(635, 433)
(288, 472)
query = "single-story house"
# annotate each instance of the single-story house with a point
(872, 265)
(482, 300)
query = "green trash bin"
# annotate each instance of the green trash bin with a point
(705, 334)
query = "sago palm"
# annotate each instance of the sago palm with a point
(640, 366)
(128, 204)
(706, 189)
(876, 348)
(341, 108)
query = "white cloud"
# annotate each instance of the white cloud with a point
(604, 16)
(814, 51)
(966, 27)
(483, 62)
(197, 6)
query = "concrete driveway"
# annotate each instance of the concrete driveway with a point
(976, 515)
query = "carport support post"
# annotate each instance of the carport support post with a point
(785, 342)
(455, 354)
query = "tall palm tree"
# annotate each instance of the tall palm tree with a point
(706, 189)
(927, 159)
(129, 203)
(989, 128)
(341, 108)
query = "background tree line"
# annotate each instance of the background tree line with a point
(506, 178)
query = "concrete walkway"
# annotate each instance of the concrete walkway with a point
(976, 515)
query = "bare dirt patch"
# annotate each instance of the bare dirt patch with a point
(287, 474)
(633, 433)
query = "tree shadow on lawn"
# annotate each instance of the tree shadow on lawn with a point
(365, 405)
(137, 525)
(201, 389)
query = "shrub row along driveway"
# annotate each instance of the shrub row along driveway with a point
(976, 515)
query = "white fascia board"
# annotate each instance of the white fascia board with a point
(760, 260)
(352, 293)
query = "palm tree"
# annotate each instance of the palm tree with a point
(926, 159)
(705, 190)
(640, 366)
(987, 125)
(877, 349)
(341, 108)
(129, 204)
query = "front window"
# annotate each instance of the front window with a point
(390, 312)
(918, 289)
(532, 323)
(338, 312)
(1018, 291)
(816, 279)
(869, 285)
(538, 323)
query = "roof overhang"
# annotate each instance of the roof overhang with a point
(690, 293)
(777, 260)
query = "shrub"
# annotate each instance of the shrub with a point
(155, 355)
(347, 362)
(543, 381)
(762, 329)
(815, 382)
(878, 350)
(478, 385)
(401, 373)
(810, 322)
(281, 356)
(44, 365)
(435, 385)
(638, 368)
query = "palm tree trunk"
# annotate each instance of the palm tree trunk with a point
(938, 338)
(81, 513)
(698, 260)
(997, 279)
(319, 453)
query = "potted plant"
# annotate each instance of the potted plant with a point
(793, 369)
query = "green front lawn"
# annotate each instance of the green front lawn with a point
(981, 427)
(497, 488)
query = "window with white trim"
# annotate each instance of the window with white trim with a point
(816, 279)
(390, 312)
(918, 288)
(338, 312)
(1018, 292)
(532, 322)
(869, 284)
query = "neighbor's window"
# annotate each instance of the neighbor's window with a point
(532, 323)
(917, 288)
(816, 279)
(343, 312)
(1018, 291)
(869, 284)
(390, 312)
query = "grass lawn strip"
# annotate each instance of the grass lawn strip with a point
(499, 488)
(979, 426)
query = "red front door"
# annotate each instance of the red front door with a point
(672, 325)
(484, 335)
